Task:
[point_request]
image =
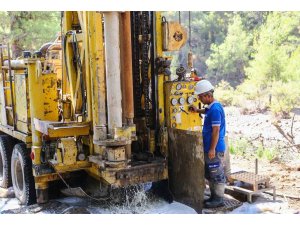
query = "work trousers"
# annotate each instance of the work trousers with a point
(214, 168)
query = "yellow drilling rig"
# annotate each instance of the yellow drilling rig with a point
(100, 99)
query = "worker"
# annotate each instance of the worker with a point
(213, 142)
(194, 75)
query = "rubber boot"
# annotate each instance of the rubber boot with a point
(212, 192)
(218, 199)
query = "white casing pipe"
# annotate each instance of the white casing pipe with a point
(113, 70)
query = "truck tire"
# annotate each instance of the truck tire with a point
(6, 148)
(22, 177)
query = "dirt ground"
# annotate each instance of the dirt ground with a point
(261, 129)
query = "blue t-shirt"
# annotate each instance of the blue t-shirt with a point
(214, 116)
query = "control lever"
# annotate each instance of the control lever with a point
(184, 111)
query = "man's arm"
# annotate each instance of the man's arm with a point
(214, 142)
(194, 109)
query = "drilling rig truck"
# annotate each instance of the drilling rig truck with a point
(100, 99)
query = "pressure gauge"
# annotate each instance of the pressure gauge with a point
(181, 101)
(174, 101)
(190, 99)
(191, 87)
(178, 86)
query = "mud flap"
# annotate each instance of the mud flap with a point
(186, 167)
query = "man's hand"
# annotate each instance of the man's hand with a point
(211, 154)
(193, 108)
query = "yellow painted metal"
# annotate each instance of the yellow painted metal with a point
(178, 94)
(161, 106)
(94, 171)
(7, 100)
(123, 133)
(41, 185)
(116, 154)
(109, 176)
(69, 150)
(3, 120)
(87, 57)
(16, 134)
(43, 100)
(69, 20)
(152, 141)
(36, 104)
(22, 103)
(59, 129)
(50, 97)
(97, 71)
(84, 25)
(53, 60)
(161, 77)
(78, 165)
(59, 157)
(176, 36)
(50, 177)
(158, 35)
(36, 150)
(22, 137)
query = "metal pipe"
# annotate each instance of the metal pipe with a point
(126, 74)
(97, 76)
(36, 107)
(113, 79)
(126, 65)
(256, 166)
(15, 64)
(87, 68)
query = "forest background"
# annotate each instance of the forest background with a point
(252, 57)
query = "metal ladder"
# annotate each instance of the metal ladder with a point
(6, 86)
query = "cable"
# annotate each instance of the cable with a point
(190, 30)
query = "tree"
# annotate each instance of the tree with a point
(276, 48)
(28, 30)
(206, 28)
(227, 60)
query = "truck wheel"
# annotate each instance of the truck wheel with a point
(21, 173)
(6, 147)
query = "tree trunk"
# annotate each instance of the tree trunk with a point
(17, 19)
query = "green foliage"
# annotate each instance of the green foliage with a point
(285, 97)
(224, 93)
(29, 30)
(4, 29)
(266, 153)
(292, 70)
(239, 147)
(227, 60)
(257, 53)
(274, 44)
(207, 28)
(251, 96)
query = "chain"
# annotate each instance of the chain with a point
(136, 68)
(145, 64)
(141, 64)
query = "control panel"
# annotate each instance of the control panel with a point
(179, 96)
